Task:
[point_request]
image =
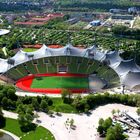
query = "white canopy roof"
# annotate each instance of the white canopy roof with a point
(131, 79)
(113, 57)
(3, 65)
(127, 65)
(4, 31)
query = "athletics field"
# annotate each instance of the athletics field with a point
(60, 82)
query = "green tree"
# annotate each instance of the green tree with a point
(25, 117)
(71, 122)
(100, 128)
(11, 94)
(25, 122)
(110, 134)
(119, 132)
(35, 104)
(44, 106)
(4, 102)
(66, 96)
(107, 124)
(2, 119)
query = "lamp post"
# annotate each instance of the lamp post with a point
(123, 88)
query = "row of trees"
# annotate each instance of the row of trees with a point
(100, 5)
(10, 101)
(84, 104)
(4, 7)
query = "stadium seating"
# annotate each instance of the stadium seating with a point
(92, 66)
(22, 69)
(41, 66)
(82, 67)
(62, 60)
(31, 67)
(14, 74)
(72, 66)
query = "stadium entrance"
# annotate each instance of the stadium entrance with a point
(62, 69)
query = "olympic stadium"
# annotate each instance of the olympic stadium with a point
(50, 70)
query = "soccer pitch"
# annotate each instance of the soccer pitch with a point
(60, 82)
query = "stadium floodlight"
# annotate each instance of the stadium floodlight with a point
(123, 88)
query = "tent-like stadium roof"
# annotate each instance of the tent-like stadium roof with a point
(113, 57)
(127, 65)
(131, 80)
(128, 70)
(3, 65)
(4, 31)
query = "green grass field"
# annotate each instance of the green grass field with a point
(29, 49)
(60, 82)
(60, 106)
(39, 134)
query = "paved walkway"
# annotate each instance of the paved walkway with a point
(11, 134)
(20, 93)
(85, 125)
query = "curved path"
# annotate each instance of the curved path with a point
(85, 125)
(11, 134)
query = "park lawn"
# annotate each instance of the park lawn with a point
(60, 82)
(40, 132)
(59, 106)
(29, 49)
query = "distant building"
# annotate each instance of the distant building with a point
(122, 17)
(132, 10)
(72, 20)
(95, 23)
(117, 11)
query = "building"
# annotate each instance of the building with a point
(95, 23)
(122, 17)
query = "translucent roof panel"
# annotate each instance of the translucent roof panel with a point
(3, 65)
(127, 65)
(20, 57)
(113, 57)
(131, 79)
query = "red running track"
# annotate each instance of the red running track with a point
(26, 82)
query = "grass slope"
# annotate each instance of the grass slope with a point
(60, 82)
(40, 132)
(60, 106)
